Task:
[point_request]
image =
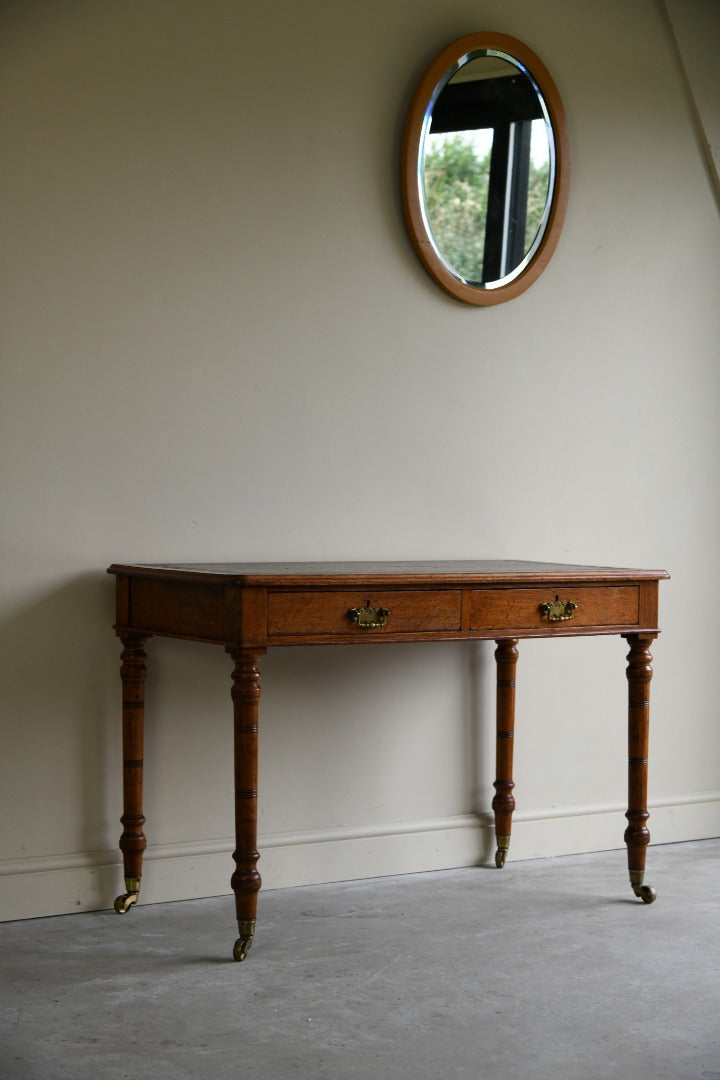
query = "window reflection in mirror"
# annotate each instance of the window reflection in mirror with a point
(487, 167)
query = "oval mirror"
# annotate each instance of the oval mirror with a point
(485, 168)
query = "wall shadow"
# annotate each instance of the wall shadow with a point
(60, 710)
(480, 725)
(62, 795)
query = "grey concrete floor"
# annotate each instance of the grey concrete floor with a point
(546, 970)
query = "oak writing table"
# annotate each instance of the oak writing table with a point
(249, 607)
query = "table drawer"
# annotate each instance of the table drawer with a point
(520, 609)
(328, 613)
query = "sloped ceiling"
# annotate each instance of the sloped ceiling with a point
(695, 26)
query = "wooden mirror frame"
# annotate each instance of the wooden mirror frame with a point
(448, 61)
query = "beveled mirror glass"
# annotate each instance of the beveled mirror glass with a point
(485, 168)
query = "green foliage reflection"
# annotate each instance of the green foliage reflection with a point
(456, 190)
(456, 184)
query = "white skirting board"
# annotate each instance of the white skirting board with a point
(60, 885)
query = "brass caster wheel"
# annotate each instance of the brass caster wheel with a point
(646, 893)
(503, 843)
(243, 943)
(240, 948)
(128, 898)
(125, 902)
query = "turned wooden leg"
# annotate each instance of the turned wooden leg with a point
(246, 880)
(637, 836)
(132, 841)
(503, 804)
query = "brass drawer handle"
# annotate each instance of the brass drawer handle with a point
(558, 610)
(368, 618)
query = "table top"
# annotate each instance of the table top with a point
(466, 572)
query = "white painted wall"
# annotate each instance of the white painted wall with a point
(218, 344)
